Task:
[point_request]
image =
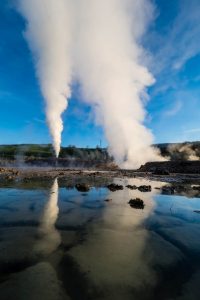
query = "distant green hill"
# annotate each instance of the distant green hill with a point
(46, 151)
(11, 151)
(175, 151)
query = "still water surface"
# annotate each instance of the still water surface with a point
(58, 243)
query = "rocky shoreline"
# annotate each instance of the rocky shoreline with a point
(45, 174)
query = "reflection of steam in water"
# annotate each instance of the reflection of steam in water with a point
(114, 250)
(49, 235)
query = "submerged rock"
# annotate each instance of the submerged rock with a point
(136, 203)
(131, 187)
(115, 187)
(197, 211)
(144, 188)
(82, 187)
(108, 200)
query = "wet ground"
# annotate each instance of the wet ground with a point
(59, 243)
(94, 176)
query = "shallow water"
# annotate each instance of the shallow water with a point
(58, 243)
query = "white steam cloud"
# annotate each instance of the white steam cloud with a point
(49, 36)
(102, 44)
(108, 65)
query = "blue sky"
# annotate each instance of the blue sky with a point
(173, 110)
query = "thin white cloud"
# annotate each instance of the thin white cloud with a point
(180, 43)
(183, 41)
(6, 95)
(174, 110)
(193, 130)
(37, 120)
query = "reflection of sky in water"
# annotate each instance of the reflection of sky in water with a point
(125, 253)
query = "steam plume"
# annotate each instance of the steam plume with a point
(108, 60)
(185, 151)
(48, 33)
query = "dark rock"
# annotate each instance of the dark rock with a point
(131, 187)
(115, 187)
(144, 188)
(173, 166)
(168, 190)
(197, 211)
(15, 173)
(196, 188)
(96, 173)
(82, 187)
(108, 200)
(61, 173)
(136, 203)
(159, 171)
(180, 189)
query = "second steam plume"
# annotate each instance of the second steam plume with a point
(99, 42)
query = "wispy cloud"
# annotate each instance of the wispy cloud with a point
(6, 95)
(183, 40)
(197, 78)
(37, 120)
(179, 43)
(193, 130)
(174, 110)
(186, 34)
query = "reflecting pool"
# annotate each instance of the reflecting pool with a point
(59, 243)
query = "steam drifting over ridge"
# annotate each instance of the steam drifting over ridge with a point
(104, 38)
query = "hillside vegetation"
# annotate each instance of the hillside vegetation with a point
(33, 152)
(46, 151)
